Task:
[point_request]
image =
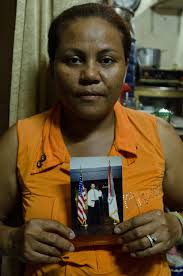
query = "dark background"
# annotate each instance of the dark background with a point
(7, 26)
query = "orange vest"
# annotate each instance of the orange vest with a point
(46, 189)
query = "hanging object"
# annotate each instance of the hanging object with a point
(128, 4)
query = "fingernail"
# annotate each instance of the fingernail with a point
(120, 241)
(117, 230)
(71, 235)
(71, 248)
(58, 260)
(133, 255)
(125, 248)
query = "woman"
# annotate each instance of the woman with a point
(88, 49)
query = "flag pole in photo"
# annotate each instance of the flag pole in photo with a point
(82, 201)
(112, 202)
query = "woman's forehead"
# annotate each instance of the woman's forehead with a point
(90, 30)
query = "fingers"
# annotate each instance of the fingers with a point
(55, 227)
(137, 245)
(38, 258)
(42, 241)
(139, 232)
(157, 249)
(142, 247)
(147, 234)
(45, 249)
(137, 221)
(56, 241)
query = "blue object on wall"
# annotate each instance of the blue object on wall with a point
(131, 70)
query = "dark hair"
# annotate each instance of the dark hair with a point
(105, 12)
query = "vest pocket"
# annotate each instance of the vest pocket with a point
(38, 206)
(62, 211)
(45, 207)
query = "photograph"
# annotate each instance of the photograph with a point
(96, 195)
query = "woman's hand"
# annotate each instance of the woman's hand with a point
(164, 230)
(41, 241)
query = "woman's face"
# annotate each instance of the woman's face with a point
(89, 68)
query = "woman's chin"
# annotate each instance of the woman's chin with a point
(91, 114)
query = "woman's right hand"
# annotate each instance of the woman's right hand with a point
(41, 241)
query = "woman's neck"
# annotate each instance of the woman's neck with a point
(87, 137)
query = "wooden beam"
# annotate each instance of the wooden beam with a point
(179, 46)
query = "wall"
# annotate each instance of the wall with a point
(159, 31)
(7, 23)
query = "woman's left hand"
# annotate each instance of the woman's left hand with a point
(154, 232)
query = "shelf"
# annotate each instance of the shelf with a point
(168, 6)
(179, 131)
(161, 82)
(156, 92)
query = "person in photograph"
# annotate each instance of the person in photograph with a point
(93, 206)
(89, 48)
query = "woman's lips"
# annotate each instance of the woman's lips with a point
(93, 96)
(90, 97)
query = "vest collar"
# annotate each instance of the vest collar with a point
(54, 150)
(125, 139)
(52, 144)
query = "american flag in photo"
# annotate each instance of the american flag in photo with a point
(81, 211)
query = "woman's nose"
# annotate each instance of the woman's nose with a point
(90, 74)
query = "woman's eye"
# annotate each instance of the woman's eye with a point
(107, 61)
(74, 60)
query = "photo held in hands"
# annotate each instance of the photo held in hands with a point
(96, 198)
